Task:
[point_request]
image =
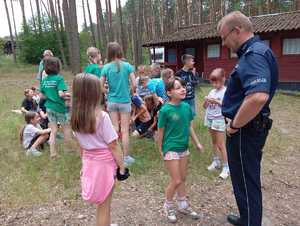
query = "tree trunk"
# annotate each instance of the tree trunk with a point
(91, 24)
(60, 17)
(297, 4)
(110, 20)
(33, 18)
(69, 10)
(23, 15)
(84, 17)
(140, 32)
(10, 33)
(57, 33)
(122, 31)
(102, 34)
(39, 15)
(13, 17)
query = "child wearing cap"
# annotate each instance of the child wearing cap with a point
(140, 117)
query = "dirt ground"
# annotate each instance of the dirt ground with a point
(138, 202)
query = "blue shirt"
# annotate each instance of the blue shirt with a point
(118, 81)
(157, 86)
(255, 71)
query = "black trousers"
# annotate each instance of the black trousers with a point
(244, 150)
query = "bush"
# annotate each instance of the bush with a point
(32, 46)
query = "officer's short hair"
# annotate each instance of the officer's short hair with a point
(236, 19)
(186, 57)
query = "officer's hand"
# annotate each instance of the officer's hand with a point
(230, 131)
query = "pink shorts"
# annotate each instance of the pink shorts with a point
(172, 155)
(97, 174)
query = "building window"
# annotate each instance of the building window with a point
(172, 56)
(213, 51)
(190, 51)
(291, 46)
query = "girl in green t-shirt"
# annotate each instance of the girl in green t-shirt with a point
(95, 63)
(174, 129)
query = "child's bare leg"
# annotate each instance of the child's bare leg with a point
(215, 143)
(173, 167)
(114, 116)
(103, 212)
(125, 117)
(221, 145)
(183, 162)
(52, 139)
(42, 138)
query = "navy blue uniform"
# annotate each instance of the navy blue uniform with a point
(256, 71)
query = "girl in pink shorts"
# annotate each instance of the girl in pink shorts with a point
(174, 129)
(101, 155)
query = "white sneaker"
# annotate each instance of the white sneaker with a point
(225, 173)
(214, 165)
(170, 214)
(128, 160)
(189, 212)
(34, 152)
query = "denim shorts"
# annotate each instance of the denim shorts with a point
(215, 124)
(56, 117)
(172, 155)
(118, 107)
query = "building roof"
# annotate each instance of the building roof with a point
(262, 23)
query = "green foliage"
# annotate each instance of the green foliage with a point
(2, 42)
(84, 42)
(32, 46)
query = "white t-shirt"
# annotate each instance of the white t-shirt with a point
(214, 111)
(105, 134)
(30, 131)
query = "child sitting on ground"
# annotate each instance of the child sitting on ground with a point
(142, 89)
(215, 122)
(28, 104)
(153, 108)
(141, 117)
(32, 135)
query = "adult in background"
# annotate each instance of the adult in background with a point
(155, 70)
(250, 89)
(189, 75)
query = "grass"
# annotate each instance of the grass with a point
(28, 181)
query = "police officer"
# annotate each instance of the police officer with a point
(250, 89)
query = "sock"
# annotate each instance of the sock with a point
(182, 202)
(225, 165)
(168, 204)
(217, 160)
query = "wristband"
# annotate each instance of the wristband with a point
(231, 126)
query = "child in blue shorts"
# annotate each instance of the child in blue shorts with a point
(120, 78)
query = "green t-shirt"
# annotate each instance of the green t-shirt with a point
(175, 119)
(118, 81)
(93, 69)
(50, 87)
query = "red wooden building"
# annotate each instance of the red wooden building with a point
(280, 31)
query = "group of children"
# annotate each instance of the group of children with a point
(162, 107)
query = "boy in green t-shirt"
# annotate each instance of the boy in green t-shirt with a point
(174, 129)
(94, 57)
(54, 88)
